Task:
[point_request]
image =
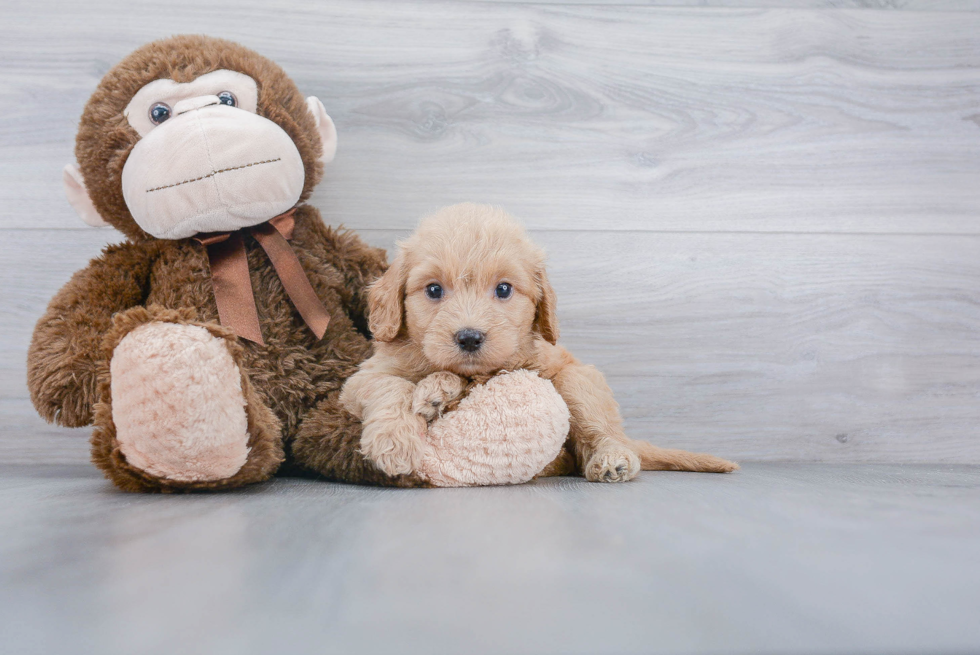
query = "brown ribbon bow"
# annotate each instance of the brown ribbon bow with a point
(233, 287)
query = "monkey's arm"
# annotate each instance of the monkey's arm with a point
(65, 349)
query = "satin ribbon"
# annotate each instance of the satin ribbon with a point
(233, 286)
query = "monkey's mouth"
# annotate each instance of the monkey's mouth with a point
(213, 173)
(209, 172)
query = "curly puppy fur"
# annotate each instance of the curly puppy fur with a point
(292, 382)
(468, 250)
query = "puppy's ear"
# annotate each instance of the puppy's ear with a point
(545, 318)
(386, 302)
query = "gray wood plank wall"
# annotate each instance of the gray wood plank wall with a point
(763, 223)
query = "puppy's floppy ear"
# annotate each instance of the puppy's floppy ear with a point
(386, 302)
(545, 318)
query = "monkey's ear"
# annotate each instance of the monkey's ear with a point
(328, 133)
(386, 302)
(78, 197)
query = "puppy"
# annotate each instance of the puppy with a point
(467, 296)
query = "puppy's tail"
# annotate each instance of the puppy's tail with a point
(653, 458)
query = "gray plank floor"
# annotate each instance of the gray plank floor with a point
(775, 558)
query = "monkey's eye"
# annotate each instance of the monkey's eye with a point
(433, 291)
(228, 98)
(503, 291)
(159, 112)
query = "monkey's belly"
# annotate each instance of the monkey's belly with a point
(294, 370)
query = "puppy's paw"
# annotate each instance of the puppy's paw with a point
(433, 393)
(395, 446)
(612, 464)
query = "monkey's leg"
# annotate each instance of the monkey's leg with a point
(328, 443)
(176, 411)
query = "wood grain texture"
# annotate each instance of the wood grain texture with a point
(587, 117)
(762, 222)
(835, 348)
(26, 439)
(772, 559)
(890, 5)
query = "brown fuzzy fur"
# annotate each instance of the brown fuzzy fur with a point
(468, 250)
(291, 382)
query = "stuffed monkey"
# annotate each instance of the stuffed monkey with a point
(210, 346)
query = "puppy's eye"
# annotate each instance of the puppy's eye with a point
(503, 291)
(159, 112)
(433, 291)
(228, 98)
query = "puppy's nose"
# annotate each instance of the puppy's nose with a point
(470, 340)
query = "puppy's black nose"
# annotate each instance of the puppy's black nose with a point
(469, 339)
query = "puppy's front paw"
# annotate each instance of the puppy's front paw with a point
(612, 464)
(434, 392)
(395, 446)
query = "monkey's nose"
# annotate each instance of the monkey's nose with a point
(469, 339)
(190, 104)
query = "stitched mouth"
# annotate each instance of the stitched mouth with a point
(212, 174)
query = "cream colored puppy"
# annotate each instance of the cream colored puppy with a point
(467, 296)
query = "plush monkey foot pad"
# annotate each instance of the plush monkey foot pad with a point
(504, 432)
(177, 403)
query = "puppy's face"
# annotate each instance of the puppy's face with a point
(469, 292)
(470, 311)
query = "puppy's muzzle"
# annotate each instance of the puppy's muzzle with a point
(470, 340)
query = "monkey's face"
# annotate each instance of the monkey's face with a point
(191, 135)
(206, 162)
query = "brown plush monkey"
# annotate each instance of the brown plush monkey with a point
(203, 153)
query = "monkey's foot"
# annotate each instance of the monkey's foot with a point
(178, 404)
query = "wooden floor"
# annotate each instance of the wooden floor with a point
(777, 558)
